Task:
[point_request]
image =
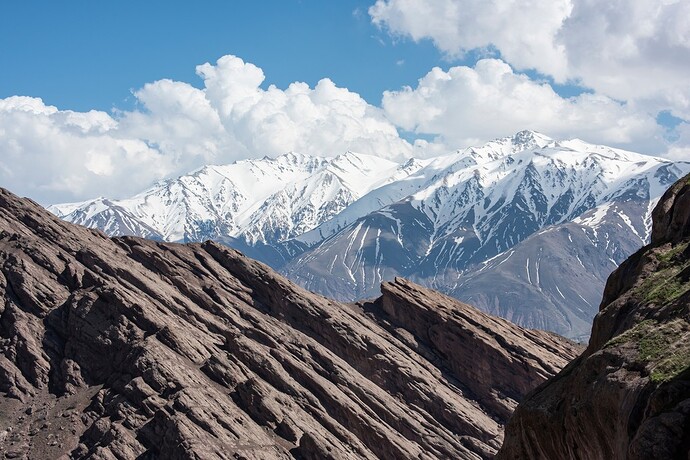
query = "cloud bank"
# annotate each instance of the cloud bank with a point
(627, 50)
(467, 105)
(56, 155)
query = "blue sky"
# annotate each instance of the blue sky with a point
(84, 55)
(104, 98)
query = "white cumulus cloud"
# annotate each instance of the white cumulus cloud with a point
(467, 105)
(48, 153)
(680, 150)
(522, 30)
(627, 50)
(322, 120)
(58, 155)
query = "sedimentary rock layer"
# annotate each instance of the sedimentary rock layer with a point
(128, 348)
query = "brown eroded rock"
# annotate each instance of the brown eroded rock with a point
(628, 395)
(128, 348)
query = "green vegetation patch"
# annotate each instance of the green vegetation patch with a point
(667, 291)
(655, 343)
(664, 285)
(632, 335)
(665, 257)
(664, 348)
(671, 366)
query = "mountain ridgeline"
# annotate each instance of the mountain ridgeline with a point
(548, 220)
(133, 348)
(628, 395)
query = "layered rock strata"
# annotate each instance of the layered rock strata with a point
(130, 348)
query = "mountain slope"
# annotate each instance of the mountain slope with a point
(514, 212)
(483, 205)
(149, 349)
(628, 395)
(553, 279)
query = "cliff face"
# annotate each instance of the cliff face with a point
(128, 348)
(628, 395)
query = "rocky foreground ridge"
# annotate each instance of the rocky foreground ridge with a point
(628, 395)
(130, 348)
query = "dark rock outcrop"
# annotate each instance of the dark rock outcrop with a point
(129, 348)
(628, 395)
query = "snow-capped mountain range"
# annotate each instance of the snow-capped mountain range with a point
(525, 226)
(259, 201)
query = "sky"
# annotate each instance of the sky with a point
(105, 98)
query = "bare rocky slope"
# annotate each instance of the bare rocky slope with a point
(628, 395)
(130, 348)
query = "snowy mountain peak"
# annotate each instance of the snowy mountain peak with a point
(530, 139)
(256, 200)
(360, 161)
(504, 147)
(294, 158)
